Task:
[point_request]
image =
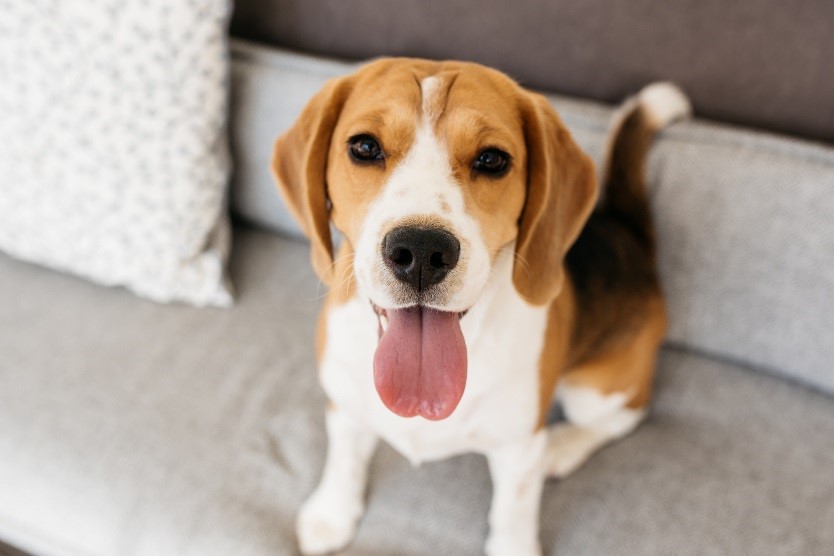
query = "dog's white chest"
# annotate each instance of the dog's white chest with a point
(504, 338)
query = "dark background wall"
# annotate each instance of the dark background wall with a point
(762, 63)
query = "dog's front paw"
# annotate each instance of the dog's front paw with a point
(325, 525)
(568, 447)
(511, 545)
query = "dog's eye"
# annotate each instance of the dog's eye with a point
(491, 161)
(364, 148)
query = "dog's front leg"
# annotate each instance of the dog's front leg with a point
(327, 520)
(517, 471)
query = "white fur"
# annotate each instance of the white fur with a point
(429, 88)
(584, 406)
(497, 414)
(517, 479)
(327, 520)
(665, 103)
(500, 402)
(594, 420)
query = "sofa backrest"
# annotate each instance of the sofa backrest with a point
(766, 63)
(745, 220)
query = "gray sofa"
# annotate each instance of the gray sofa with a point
(132, 428)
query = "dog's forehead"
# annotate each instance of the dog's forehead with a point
(429, 91)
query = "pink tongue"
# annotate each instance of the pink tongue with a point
(420, 363)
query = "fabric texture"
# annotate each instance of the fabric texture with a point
(270, 88)
(205, 441)
(114, 163)
(744, 219)
(766, 64)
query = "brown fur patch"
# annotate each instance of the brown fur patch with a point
(628, 364)
(556, 352)
(443, 203)
(342, 291)
(625, 362)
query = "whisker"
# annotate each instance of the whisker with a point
(342, 280)
(524, 264)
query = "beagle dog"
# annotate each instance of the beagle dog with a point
(477, 273)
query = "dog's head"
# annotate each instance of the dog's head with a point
(429, 169)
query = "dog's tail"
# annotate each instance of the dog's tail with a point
(624, 192)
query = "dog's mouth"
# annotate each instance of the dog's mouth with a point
(420, 361)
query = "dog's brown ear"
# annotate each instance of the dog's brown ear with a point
(299, 164)
(561, 192)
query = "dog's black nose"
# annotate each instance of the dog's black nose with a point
(420, 257)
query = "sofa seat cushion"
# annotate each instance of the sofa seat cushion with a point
(132, 428)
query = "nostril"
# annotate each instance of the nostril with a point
(402, 257)
(436, 260)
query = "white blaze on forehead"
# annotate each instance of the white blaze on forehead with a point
(431, 88)
(425, 174)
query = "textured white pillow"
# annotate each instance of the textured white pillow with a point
(113, 152)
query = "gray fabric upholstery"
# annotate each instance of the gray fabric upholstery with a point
(765, 63)
(744, 219)
(269, 90)
(137, 429)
